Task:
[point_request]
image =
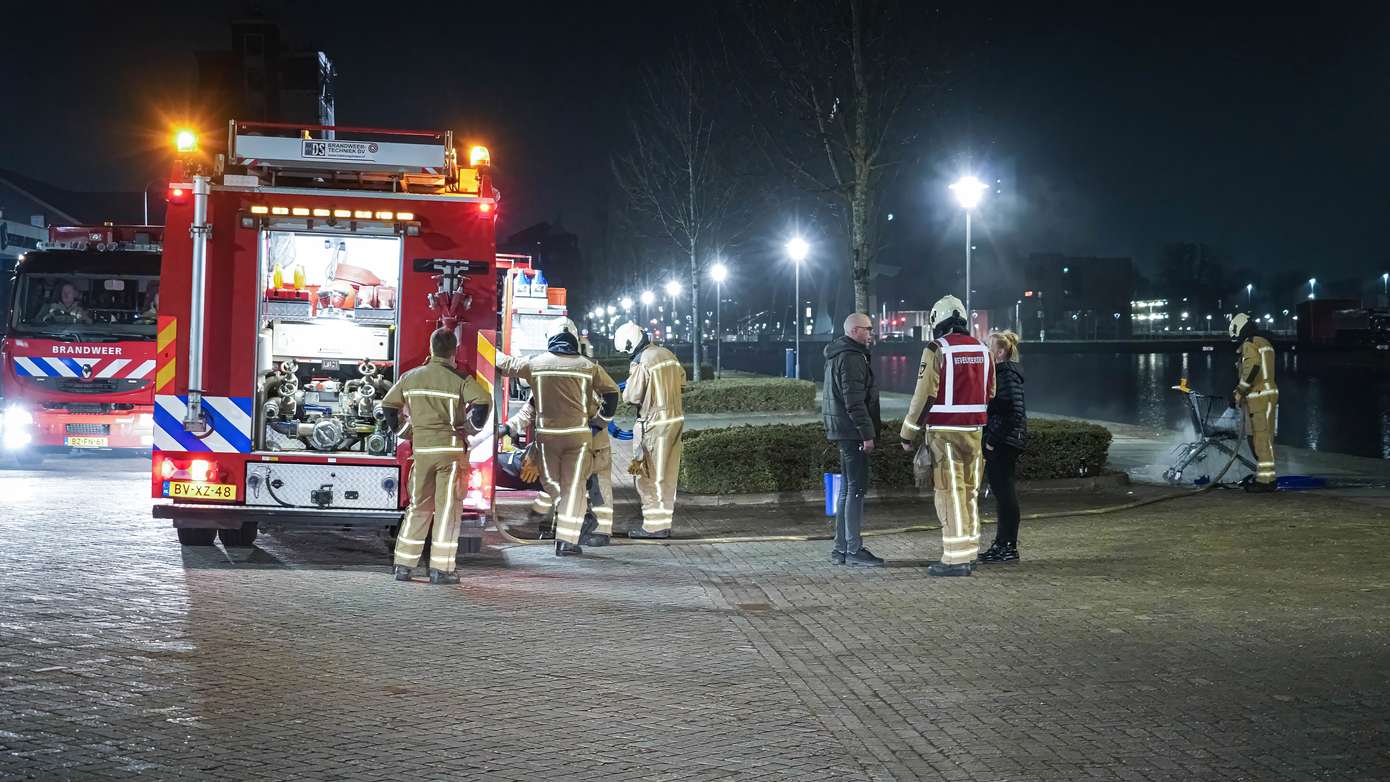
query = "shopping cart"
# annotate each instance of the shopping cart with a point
(1218, 430)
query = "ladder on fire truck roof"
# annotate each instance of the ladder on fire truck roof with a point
(342, 157)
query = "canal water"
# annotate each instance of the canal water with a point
(1335, 402)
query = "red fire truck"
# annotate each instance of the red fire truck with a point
(78, 356)
(304, 270)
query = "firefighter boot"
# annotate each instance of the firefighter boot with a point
(440, 577)
(587, 534)
(1255, 487)
(943, 569)
(563, 549)
(643, 534)
(401, 572)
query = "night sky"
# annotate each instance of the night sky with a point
(1114, 130)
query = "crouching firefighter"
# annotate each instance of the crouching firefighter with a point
(1255, 389)
(444, 408)
(654, 385)
(600, 483)
(566, 389)
(951, 401)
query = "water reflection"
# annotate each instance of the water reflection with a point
(1332, 402)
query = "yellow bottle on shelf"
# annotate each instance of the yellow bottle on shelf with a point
(299, 276)
(277, 277)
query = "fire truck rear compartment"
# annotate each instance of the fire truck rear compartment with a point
(323, 486)
(327, 349)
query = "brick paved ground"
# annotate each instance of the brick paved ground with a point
(1200, 639)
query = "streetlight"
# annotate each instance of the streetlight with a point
(1312, 287)
(625, 303)
(646, 297)
(1249, 294)
(969, 191)
(797, 250)
(719, 272)
(1385, 284)
(673, 289)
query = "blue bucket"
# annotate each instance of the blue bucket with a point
(832, 492)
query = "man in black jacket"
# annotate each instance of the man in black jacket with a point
(849, 408)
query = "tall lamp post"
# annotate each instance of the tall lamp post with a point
(1385, 284)
(968, 191)
(673, 289)
(1312, 287)
(1249, 295)
(646, 297)
(797, 250)
(719, 273)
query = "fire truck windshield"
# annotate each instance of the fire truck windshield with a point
(85, 305)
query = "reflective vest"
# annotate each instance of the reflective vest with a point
(966, 372)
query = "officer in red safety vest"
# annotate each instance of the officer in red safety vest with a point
(950, 403)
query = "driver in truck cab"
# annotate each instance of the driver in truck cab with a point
(444, 408)
(67, 309)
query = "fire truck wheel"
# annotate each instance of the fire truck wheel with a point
(240, 538)
(197, 537)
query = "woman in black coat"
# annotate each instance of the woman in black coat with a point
(1005, 436)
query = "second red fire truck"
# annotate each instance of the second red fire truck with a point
(303, 272)
(77, 366)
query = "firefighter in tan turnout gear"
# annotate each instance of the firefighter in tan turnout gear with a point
(600, 485)
(566, 389)
(1255, 389)
(654, 385)
(950, 403)
(444, 408)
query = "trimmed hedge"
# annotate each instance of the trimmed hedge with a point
(794, 457)
(1060, 448)
(751, 395)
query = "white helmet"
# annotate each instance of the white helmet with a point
(944, 309)
(1237, 324)
(561, 326)
(628, 337)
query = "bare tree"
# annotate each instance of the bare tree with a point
(673, 175)
(831, 79)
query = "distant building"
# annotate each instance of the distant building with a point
(1072, 297)
(262, 79)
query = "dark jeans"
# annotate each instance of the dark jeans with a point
(854, 483)
(1000, 465)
